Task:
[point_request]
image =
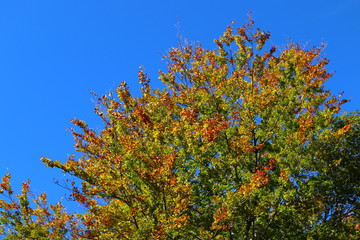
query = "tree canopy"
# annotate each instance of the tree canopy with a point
(243, 142)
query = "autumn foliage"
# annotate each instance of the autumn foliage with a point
(244, 142)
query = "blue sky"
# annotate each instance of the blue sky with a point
(53, 52)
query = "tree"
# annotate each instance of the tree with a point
(242, 143)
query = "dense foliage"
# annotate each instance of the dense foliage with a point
(242, 143)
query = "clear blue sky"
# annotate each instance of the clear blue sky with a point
(53, 51)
